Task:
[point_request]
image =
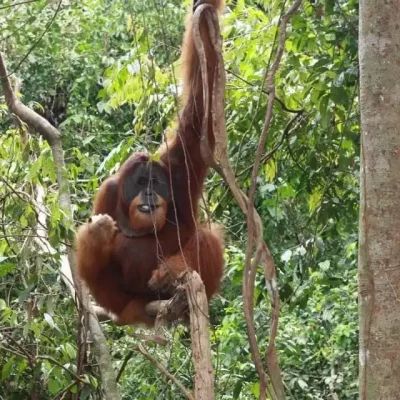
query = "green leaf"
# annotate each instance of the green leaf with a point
(6, 370)
(6, 268)
(286, 256)
(324, 265)
(302, 384)
(70, 350)
(255, 389)
(270, 170)
(323, 106)
(237, 389)
(25, 293)
(53, 385)
(315, 199)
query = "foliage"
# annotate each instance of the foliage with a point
(105, 73)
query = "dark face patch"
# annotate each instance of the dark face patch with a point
(145, 177)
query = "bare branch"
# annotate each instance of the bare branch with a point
(186, 392)
(190, 293)
(17, 4)
(200, 335)
(150, 338)
(53, 137)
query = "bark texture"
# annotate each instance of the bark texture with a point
(379, 252)
(200, 334)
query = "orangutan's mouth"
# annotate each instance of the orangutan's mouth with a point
(147, 208)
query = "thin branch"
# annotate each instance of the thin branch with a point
(285, 134)
(18, 4)
(186, 392)
(12, 351)
(33, 359)
(124, 363)
(53, 137)
(277, 99)
(150, 338)
(260, 245)
(54, 361)
(65, 390)
(220, 160)
(5, 75)
(23, 350)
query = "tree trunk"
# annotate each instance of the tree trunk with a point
(379, 252)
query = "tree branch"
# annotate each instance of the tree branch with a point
(188, 395)
(53, 137)
(200, 335)
(190, 294)
(277, 99)
(220, 162)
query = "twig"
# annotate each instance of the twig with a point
(150, 338)
(186, 392)
(33, 359)
(285, 134)
(65, 390)
(18, 4)
(123, 365)
(34, 44)
(277, 99)
(23, 350)
(12, 351)
(54, 361)
(260, 245)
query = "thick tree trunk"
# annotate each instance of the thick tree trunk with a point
(379, 253)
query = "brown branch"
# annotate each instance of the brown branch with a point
(20, 347)
(53, 137)
(269, 265)
(17, 4)
(200, 335)
(220, 162)
(32, 360)
(2, 76)
(186, 392)
(190, 294)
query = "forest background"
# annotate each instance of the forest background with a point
(106, 74)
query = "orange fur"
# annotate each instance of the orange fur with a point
(203, 253)
(123, 272)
